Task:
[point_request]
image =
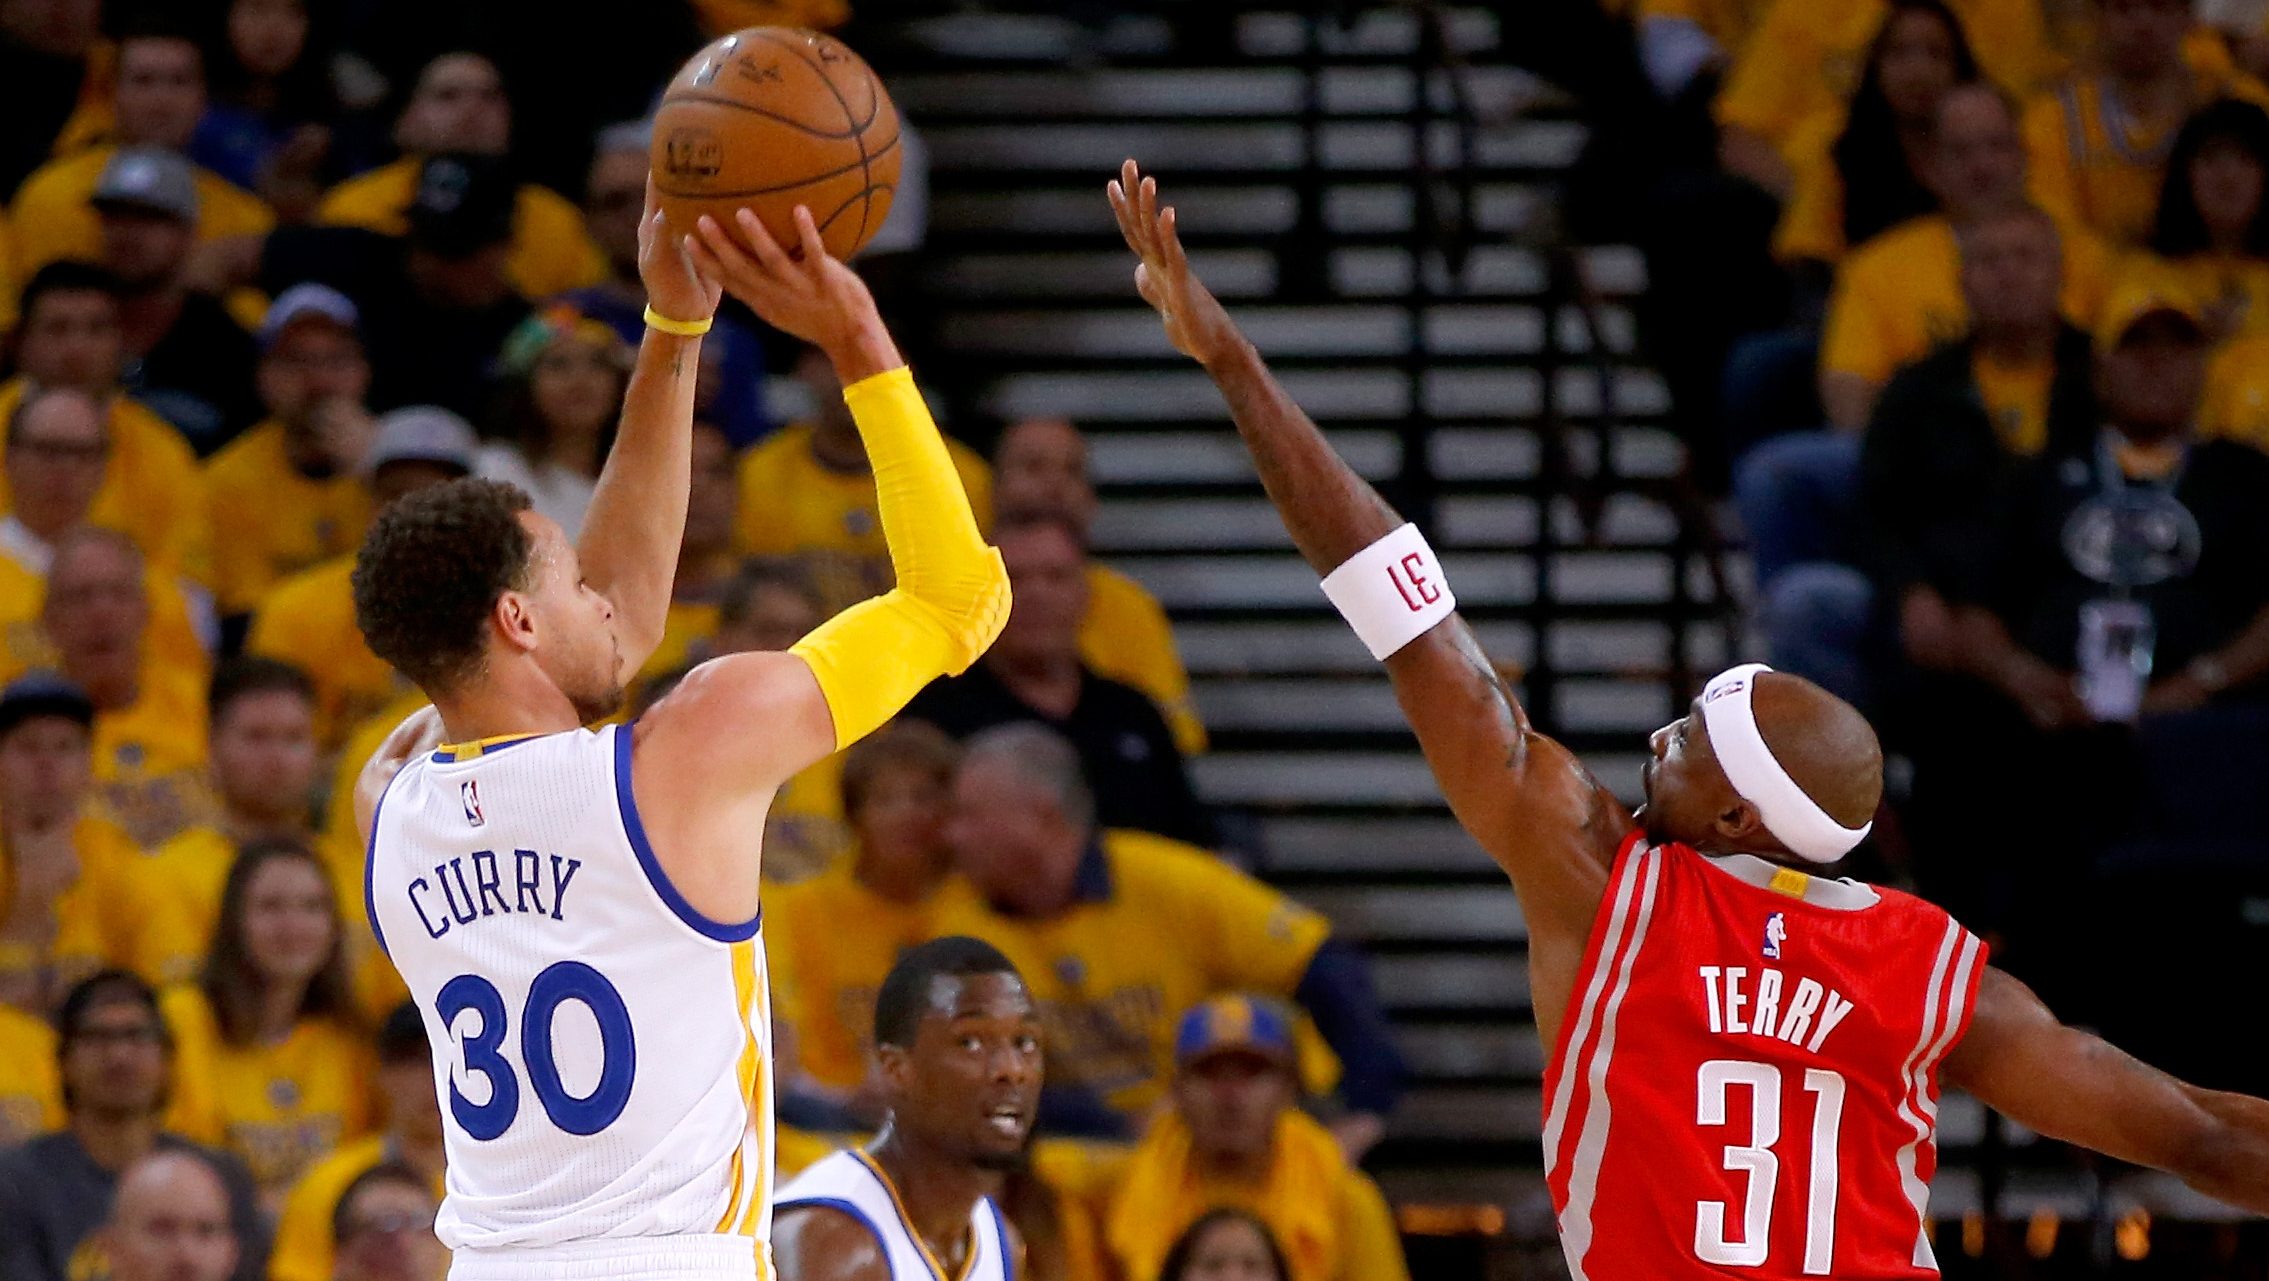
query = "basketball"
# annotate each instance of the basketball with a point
(772, 118)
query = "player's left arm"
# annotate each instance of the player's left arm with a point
(2068, 1084)
(815, 1243)
(636, 523)
(419, 732)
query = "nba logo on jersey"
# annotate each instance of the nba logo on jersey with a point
(470, 793)
(1776, 933)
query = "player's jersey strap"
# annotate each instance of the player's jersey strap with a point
(851, 1183)
(1746, 1083)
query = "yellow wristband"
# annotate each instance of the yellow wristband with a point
(681, 328)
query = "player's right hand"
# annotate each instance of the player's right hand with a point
(812, 295)
(1195, 322)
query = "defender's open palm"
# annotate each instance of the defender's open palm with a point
(1195, 321)
(812, 296)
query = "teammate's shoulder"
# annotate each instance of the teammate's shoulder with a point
(827, 1240)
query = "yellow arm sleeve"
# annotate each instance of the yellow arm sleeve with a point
(952, 595)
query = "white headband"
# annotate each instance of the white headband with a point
(1796, 819)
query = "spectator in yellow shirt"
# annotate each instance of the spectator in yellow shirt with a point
(1861, 170)
(384, 1227)
(459, 105)
(159, 96)
(1234, 1137)
(265, 769)
(1116, 930)
(1040, 468)
(2211, 237)
(149, 719)
(896, 787)
(31, 1096)
(308, 620)
(307, 1236)
(274, 1067)
(807, 490)
(1900, 294)
(65, 908)
(57, 441)
(150, 490)
(288, 494)
(2100, 139)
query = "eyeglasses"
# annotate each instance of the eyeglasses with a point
(61, 450)
(391, 1225)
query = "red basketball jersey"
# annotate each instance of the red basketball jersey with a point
(1746, 1082)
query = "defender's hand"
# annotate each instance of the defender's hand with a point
(676, 285)
(812, 296)
(1195, 321)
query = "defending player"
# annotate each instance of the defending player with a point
(957, 1043)
(1747, 1082)
(576, 911)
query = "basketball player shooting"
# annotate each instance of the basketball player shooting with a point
(576, 911)
(1747, 1054)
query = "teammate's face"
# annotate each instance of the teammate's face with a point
(265, 758)
(1230, 1250)
(574, 626)
(1232, 1100)
(290, 921)
(970, 1084)
(1688, 798)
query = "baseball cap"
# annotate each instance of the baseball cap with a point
(148, 178)
(2139, 297)
(422, 434)
(308, 301)
(43, 694)
(1236, 1022)
(463, 203)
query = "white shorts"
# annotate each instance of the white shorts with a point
(684, 1258)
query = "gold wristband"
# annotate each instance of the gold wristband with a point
(680, 328)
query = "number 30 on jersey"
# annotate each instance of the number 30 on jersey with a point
(559, 983)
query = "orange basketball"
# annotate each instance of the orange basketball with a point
(772, 118)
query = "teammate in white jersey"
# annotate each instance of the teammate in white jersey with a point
(576, 911)
(957, 1045)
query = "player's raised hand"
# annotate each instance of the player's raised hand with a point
(811, 295)
(1195, 321)
(676, 285)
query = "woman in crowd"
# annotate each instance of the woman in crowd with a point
(271, 1063)
(2212, 231)
(1226, 1245)
(563, 380)
(266, 128)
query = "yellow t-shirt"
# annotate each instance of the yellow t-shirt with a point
(304, 1248)
(2236, 406)
(150, 758)
(31, 1089)
(2016, 401)
(1113, 976)
(804, 830)
(54, 217)
(830, 942)
(2089, 163)
(2234, 291)
(1812, 223)
(281, 1107)
(552, 251)
(172, 641)
(96, 918)
(1900, 294)
(151, 490)
(309, 620)
(790, 504)
(1127, 637)
(688, 624)
(186, 874)
(270, 521)
(1805, 56)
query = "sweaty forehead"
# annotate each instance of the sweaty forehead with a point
(980, 996)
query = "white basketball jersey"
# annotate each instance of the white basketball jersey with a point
(601, 1050)
(851, 1182)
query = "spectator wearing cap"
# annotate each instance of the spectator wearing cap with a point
(159, 95)
(561, 379)
(57, 443)
(117, 1063)
(307, 1236)
(186, 356)
(289, 494)
(1235, 1137)
(1040, 468)
(149, 730)
(308, 620)
(1114, 930)
(59, 920)
(459, 105)
(70, 338)
(730, 391)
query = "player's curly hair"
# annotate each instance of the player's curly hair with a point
(430, 571)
